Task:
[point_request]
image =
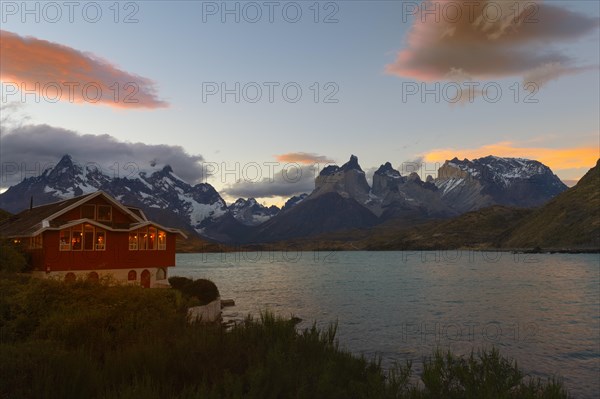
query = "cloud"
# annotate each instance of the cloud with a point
(61, 73)
(28, 150)
(488, 39)
(555, 158)
(304, 158)
(294, 175)
(286, 181)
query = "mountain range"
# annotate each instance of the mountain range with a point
(568, 222)
(341, 200)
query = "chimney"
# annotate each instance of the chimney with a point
(31, 203)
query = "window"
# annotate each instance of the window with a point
(88, 237)
(65, 240)
(76, 238)
(88, 211)
(35, 242)
(70, 278)
(152, 240)
(132, 275)
(104, 213)
(133, 241)
(161, 274)
(85, 237)
(162, 240)
(100, 240)
(93, 277)
(143, 239)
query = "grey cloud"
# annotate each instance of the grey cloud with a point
(439, 49)
(36, 147)
(285, 182)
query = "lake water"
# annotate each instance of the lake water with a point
(542, 310)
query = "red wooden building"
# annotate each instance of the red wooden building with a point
(92, 236)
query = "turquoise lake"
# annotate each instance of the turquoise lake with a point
(541, 309)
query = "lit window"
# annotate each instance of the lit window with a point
(88, 237)
(133, 241)
(152, 238)
(162, 240)
(76, 239)
(104, 213)
(143, 239)
(65, 240)
(100, 240)
(88, 211)
(35, 242)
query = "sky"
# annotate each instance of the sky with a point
(257, 97)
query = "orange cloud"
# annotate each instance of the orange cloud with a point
(60, 73)
(489, 39)
(303, 158)
(555, 158)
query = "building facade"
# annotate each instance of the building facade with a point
(94, 236)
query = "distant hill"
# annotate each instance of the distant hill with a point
(329, 212)
(570, 220)
(483, 229)
(4, 215)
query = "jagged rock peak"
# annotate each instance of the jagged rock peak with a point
(414, 177)
(167, 169)
(329, 170)
(387, 170)
(64, 168)
(65, 163)
(295, 200)
(250, 213)
(66, 159)
(352, 164)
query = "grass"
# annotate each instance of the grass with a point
(86, 340)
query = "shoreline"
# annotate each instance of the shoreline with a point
(549, 251)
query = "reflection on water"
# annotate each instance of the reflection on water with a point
(542, 310)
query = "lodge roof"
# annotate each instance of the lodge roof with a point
(28, 221)
(33, 221)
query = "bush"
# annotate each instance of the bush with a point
(95, 341)
(204, 290)
(11, 258)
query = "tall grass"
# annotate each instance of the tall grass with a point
(86, 340)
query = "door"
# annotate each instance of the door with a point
(145, 279)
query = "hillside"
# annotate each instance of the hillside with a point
(570, 220)
(482, 229)
(4, 215)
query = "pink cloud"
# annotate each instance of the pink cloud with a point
(63, 73)
(488, 40)
(303, 158)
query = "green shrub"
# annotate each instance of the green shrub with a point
(485, 375)
(205, 291)
(12, 259)
(83, 340)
